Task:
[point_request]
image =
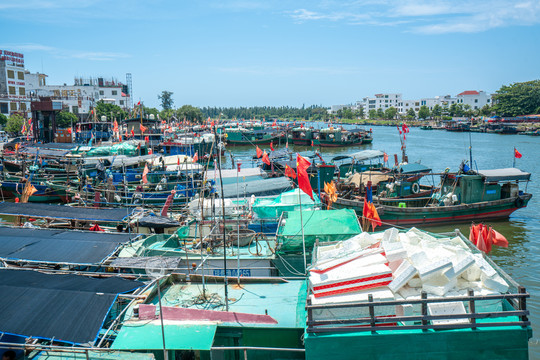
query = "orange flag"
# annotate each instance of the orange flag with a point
(145, 172)
(143, 128)
(115, 127)
(259, 153)
(196, 156)
(303, 178)
(265, 158)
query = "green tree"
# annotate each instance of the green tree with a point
(166, 100)
(380, 113)
(348, 113)
(411, 114)
(372, 114)
(111, 111)
(437, 111)
(360, 112)
(456, 110)
(3, 119)
(390, 113)
(15, 123)
(423, 113)
(64, 119)
(517, 99)
(149, 111)
(468, 111)
(485, 110)
(190, 113)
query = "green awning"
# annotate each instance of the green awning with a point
(142, 335)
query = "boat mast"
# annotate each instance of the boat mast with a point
(224, 234)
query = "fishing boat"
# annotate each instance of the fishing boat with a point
(338, 137)
(458, 127)
(426, 127)
(474, 196)
(359, 162)
(303, 136)
(242, 136)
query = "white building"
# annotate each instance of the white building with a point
(476, 99)
(81, 97)
(381, 101)
(13, 97)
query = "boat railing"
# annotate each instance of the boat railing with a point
(516, 316)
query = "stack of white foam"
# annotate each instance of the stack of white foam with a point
(393, 265)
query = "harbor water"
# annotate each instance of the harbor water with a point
(442, 149)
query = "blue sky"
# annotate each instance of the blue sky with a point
(244, 53)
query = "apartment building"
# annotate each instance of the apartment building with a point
(13, 97)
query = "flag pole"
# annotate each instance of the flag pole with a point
(302, 227)
(514, 163)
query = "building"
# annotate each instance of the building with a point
(381, 101)
(13, 98)
(475, 99)
(82, 96)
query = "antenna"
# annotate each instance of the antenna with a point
(130, 90)
(154, 269)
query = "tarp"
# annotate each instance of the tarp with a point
(63, 212)
(362, 178)
(145, 335)
(413, 168)
(68, 308)
(507, 174)
(266, 187)
(328, 225)
(367, 155)
(232, 173)
(92, 355)
(58, 246)
(121, 148)
(272, 208)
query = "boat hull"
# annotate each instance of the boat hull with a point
(437, 215)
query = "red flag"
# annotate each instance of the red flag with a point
(474, 232)
(398, 129)
(303, 178)
(139, 103)
(289, 171)
(145, 172)
(312, 143)
(272, 145)
(238, 165)
(385, 157)
(405, 128)
(69, 131)
(115, 128)
(259, 153)
(375, 220)
(265, 158)
(78, 128)
(178, 161)
(366, 210)
(196, 157)
(132, 132)
(143, 128)
(274, 123)
(498, 239)
(96, 228)
(517, 154)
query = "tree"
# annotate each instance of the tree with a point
(390, 113)
(190, 113)
(423, 113)
(64, 119)
(485, 110)
(360, 112)
(15, 123)
(411, 114)
(456, 110)
(436, 112)
(347, 113)
(166, 100)
(372, 114)
(3, 119)
(111, 111)
(517, 99)
(467, 110)
(149, 111)
(380, 113)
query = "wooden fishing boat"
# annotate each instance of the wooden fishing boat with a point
(303, 136)
(461, 198)
(338, 137)
(243, 136)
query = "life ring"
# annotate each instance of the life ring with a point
(415, 188)
(519, 202)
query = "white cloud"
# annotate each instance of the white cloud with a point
(426, 17)
(63, 53)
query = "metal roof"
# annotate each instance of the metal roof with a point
(58, 246)
(63, 212)
(69, 308)
(507, 174)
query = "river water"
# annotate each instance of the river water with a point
(442, 149)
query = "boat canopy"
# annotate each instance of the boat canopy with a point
(44, 152)
(413, 168)
(507, 174)
(272, 208)
(362, 178)
(63, 212)
(362, 155)
(58, 246)
(266, 187)
(67, 308)
(329, 225)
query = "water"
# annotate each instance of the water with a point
(442, 149)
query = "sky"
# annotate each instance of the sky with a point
(273, 52)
